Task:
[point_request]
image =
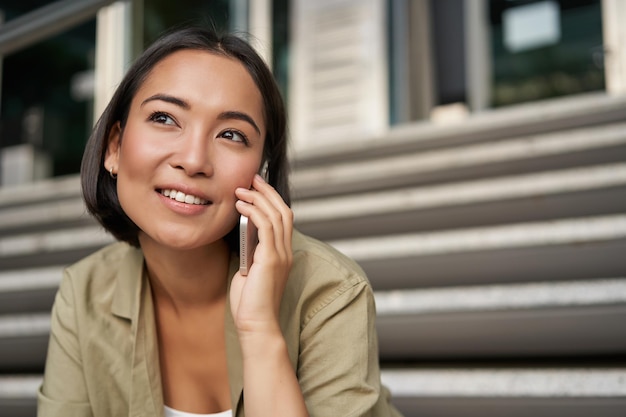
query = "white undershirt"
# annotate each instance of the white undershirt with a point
(170, 412)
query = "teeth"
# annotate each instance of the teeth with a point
(182, 197)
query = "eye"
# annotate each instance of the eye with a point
(162, 118)
(234, 135)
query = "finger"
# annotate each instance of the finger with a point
(286, 214)
(267, 245)
(272, 206)
(266, 189)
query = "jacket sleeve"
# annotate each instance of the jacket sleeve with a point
(63, 392)
(338, 366)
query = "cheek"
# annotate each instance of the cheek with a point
(238, 173)
(135, 167)
(135, 152)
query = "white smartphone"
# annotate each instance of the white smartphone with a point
(248, 239)
(248, 236)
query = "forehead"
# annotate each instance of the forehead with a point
(205, 76)
(199, 60)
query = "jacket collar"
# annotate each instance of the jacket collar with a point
(132, 300)
(126, 299)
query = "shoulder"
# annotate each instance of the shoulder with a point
(104, 262)
(322, 276)
(95, 276)
(104, 258)
(314, 257)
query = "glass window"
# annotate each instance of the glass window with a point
(533, 50)
(280, 44)
(161, 15)
(47, 95)
(427, 57)
(543, 49)
(15, 8)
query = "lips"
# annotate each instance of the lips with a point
(183, 198)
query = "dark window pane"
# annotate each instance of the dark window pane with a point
(544, 49)
(47, 97)
(162, 15)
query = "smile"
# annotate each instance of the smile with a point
(183, 198)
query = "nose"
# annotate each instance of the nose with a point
(193, 155)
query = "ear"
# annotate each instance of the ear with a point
(112, 156)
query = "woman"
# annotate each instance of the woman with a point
(162, 323)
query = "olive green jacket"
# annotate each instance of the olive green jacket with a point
(103, 358)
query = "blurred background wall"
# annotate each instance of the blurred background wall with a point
(469, 154)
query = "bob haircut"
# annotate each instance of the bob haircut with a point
(100, 189)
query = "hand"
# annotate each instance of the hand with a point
(255, 298)
(270, 382)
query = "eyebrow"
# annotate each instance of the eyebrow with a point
(237, 115)
(227, 115)
(168, 99)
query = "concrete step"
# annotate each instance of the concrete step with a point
(539, 319)
(29, 290)
(451, 392)
(542, 319)
(566, 149)
(23, 342)
(491, 392)
(50, 247)
(49, 190)
(565, 249)
(42, 216)
(593, 190)
(529, 119)
(18, 395)
(575, 248)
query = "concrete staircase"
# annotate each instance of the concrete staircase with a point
(497, 250)
(496, 247)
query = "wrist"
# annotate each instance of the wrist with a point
(262, 344)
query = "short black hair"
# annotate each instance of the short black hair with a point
(100, 189)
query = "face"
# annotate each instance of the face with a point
(195, 133)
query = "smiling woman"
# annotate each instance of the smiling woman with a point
(196, 126)
(163, 323)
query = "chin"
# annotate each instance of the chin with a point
(175, 240)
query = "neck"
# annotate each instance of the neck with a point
(188, 278)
